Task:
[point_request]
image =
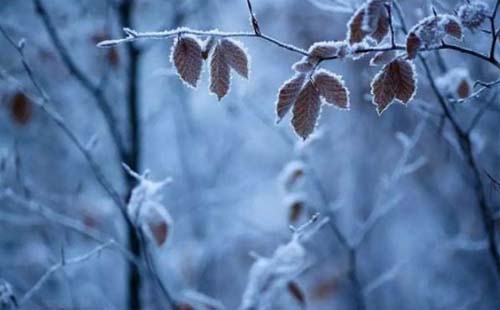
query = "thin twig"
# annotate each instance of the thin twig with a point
(82, 78)
(64, 262)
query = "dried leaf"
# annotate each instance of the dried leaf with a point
(306, 110)
(219, 73)
(374, 10)
(288, 94)
(157, 221)
(208, 44)
(381, 30)
(355, 32)
(331, 87)
(463, 89)
(413, 44)
(453, 28)
(473, 14)
(396, 80)
(297, 293)
(295, 211)
(21, 109)
(303, 66)
(323, 49)
(235, 56)
(382, 58)
(187, 58)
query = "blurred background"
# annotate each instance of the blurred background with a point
(397, 188)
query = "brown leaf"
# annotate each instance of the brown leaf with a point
(297, 293)
(159, 231)
(235, 56)
(295, 211)
(113, 57)
(382, 58)
(413, 44)
(396, 80)
(374, 10)
(187, 58)
(463, 89)
(355, 32)
(381, 30)
(287, 95)
(306, 110)
(207, 47)
(453, 28)
(331, 87)
(219, 73)
(21, 109)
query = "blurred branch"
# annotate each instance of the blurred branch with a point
(96, 91)
(465, 144)
(64, 262)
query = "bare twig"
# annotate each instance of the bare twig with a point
(82, 78)
(253, 19)
(64, 262)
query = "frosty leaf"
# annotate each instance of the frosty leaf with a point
(382, 58)
(219, 73)
(374, 9)
(295, 211)
(291, 174)
(296, 293)
(235, 56)
(413, 43)
(303, 66)
(306, 110)
(396, 80)
(381, 30)
(433, 29)
(287, 95)
(473, 14)
(453, 27)
(323, 49)
(187, 58)
(455, 83)
(355, 32)
(208, 44)
(332, 88)
(157, 223)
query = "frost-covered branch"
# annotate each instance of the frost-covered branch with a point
(60, 265)
(95, 90)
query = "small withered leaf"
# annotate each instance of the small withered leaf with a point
(219, 73)
(382, 58)
(287, 95)
(381, 30)
(413, 44)
(355, 32)
(396, 80)
(21, 108)
(235, 56)
(306, 110)
(295, 211)
(187, 58)
(453, 27)
(323, 49)
(306, 64)
(463, 89)
(331, 87)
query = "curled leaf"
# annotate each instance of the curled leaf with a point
(187, 58)
(306, 110)
(288, 94)
(473, 14)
